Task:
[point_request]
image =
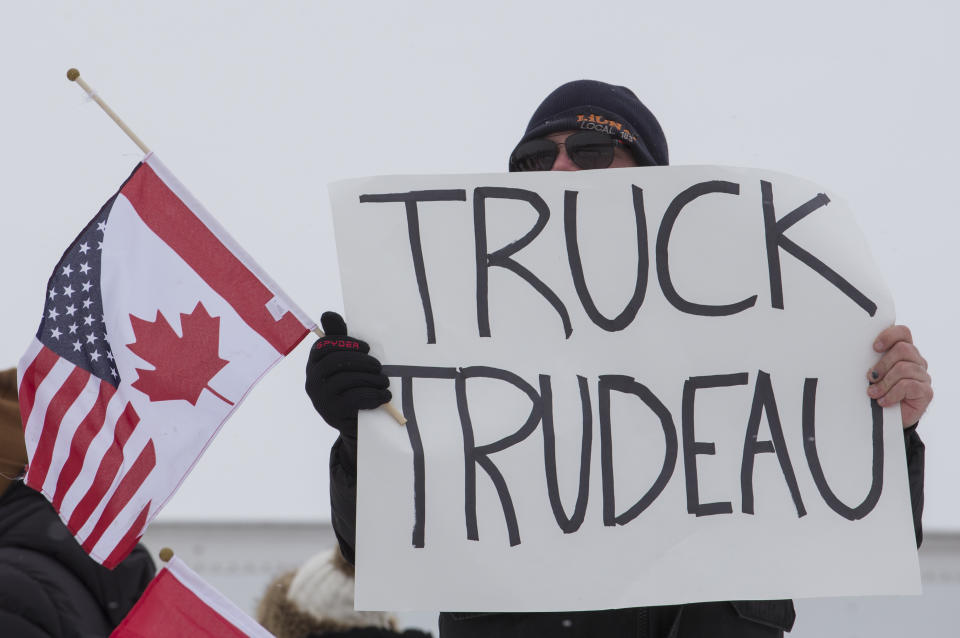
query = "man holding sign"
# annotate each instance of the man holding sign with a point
(592, 125)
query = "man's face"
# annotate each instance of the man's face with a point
(621, 155)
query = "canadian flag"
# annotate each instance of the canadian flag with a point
(156, 326)
(178, 603)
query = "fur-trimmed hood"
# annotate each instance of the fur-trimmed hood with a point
(317, 600)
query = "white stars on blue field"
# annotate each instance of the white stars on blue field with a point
(68, 326)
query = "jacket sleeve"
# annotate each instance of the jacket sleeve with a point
(915, 463)
(343, 494)
(26, 608)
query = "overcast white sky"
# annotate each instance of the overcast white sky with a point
(257, 106)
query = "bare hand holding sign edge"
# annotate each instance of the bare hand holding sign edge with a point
(900, 376)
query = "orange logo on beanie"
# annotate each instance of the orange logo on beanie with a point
(594, 122)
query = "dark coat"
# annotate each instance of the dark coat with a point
(49, 586)
(737, 619)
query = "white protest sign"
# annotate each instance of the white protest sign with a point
(625, 387)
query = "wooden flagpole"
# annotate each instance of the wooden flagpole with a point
(74, 76)
(395, 413)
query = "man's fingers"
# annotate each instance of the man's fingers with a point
(901, 370)
(340, 361)
(911, 391)
(333, 324)
(367, 398)
(900, 376)
(343, 382)
(894, 334)
(900, 352)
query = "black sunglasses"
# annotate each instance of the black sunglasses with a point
(587, 149)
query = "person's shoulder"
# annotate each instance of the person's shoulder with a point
(23, 508)
(34, 540)
(12, 623)
(25, 599)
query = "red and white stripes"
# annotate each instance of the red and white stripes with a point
(86, 453)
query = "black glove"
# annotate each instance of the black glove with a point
(342, 378)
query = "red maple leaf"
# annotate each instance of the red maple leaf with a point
(183, 366)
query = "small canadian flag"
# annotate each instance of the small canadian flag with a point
(178, 603)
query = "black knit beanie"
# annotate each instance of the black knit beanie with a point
(593, 105)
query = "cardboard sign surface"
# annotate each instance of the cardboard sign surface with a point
(625, 387)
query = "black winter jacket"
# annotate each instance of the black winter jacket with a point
(49, 586)
(736, 619)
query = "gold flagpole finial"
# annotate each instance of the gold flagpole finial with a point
(166, 554)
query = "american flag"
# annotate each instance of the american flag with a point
(108, 439)
(73, 361)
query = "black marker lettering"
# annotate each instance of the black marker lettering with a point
(622, 320)
(410, 201)
(627, 385)
(573, 522)
(474, 455)
(502, 257)
(407, 374)
(764, 401)
(774, 230)
(692, 447)
(813, 458)
(663, 258)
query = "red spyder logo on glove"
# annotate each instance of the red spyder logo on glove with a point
(338, 343)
